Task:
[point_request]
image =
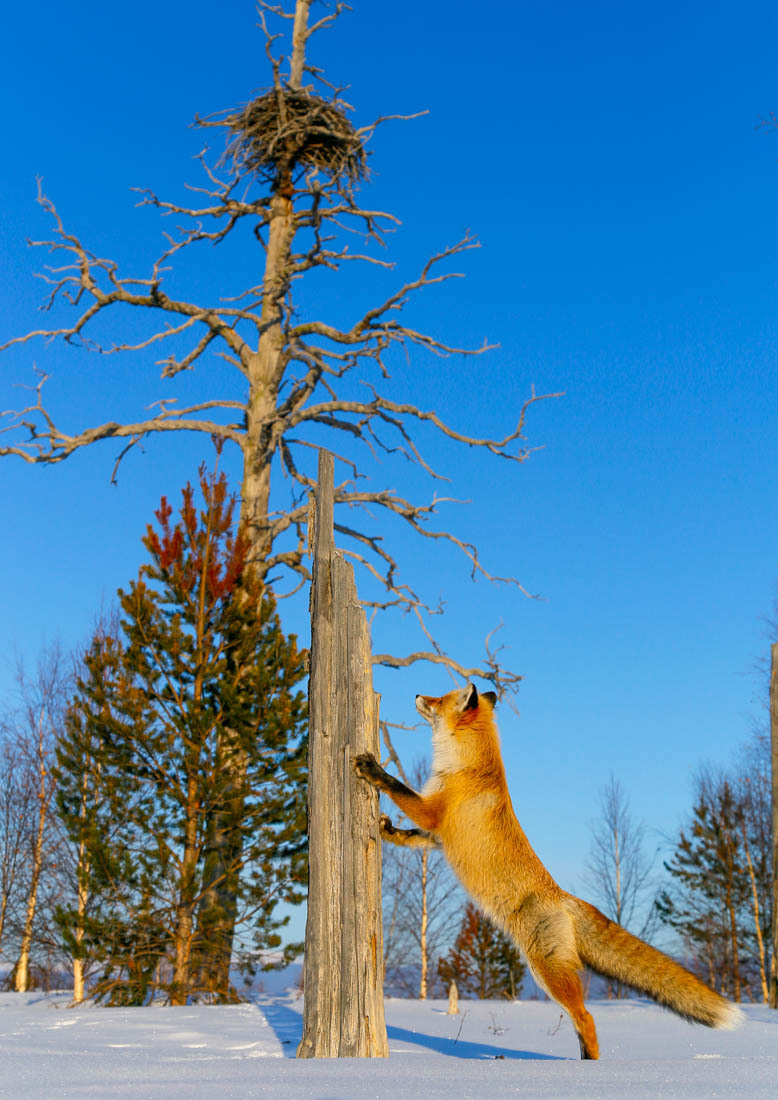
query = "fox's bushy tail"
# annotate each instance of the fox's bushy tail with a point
(611, 951)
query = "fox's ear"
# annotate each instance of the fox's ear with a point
(468, 699)
(490, 697)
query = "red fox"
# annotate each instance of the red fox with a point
(466, 808)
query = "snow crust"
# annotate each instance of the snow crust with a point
(492, 1049)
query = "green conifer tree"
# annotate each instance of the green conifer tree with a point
(198, 670)
(709, 901)
(483, 962)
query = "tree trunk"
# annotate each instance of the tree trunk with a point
(78, 975)
(757, 921)
(182, 977)
(21, 974)
(224, 844)
(222, 860)
(423, 926)
(774, 765)
(733, 936)
(22, 968)
(343, 969)
(183, 943)
(82, 892)
(616, 988)
(299, 38)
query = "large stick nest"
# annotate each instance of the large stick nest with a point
(286, 128)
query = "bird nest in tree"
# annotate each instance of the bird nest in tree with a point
(284, 129)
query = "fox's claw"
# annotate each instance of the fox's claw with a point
(412, 838)
(368, 768)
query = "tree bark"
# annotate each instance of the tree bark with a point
(757, 920)
(731, 911)
(423, 926)
(22, 968)
(83, 869)
(616, 989)
(3, 910)
(299, 38)
(343, 968)
(222, 859)
(182, 976)
(224, 846)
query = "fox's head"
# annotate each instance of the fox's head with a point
(456, 706)
(462, 726)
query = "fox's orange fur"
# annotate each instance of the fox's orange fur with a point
(466, 808)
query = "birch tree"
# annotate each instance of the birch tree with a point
(753, 784)
(31, 731)
(422, 902)
(16, 805)
(619, 870)
(288, 182)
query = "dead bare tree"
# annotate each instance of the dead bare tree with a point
(290, 172)
(290, 175)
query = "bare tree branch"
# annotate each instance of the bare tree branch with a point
(290, 173)
(503, 680)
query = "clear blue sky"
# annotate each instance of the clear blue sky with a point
(609, 158)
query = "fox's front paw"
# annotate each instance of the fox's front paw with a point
(368, 768)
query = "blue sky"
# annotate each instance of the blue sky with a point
(610, 160)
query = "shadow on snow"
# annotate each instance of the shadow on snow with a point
(287, 1023)
(459, 1048)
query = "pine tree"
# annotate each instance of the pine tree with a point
(483, 961)
(199, 676)
(709, 904)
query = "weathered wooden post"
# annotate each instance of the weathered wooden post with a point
(774, 765)
(343, 967)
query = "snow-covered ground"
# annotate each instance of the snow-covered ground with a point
(491, 1050)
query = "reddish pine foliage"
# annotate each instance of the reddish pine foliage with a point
(199, 543)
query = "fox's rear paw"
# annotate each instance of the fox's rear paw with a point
(386, 826)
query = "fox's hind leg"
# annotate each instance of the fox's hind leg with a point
(549, 944)
(566, 989)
